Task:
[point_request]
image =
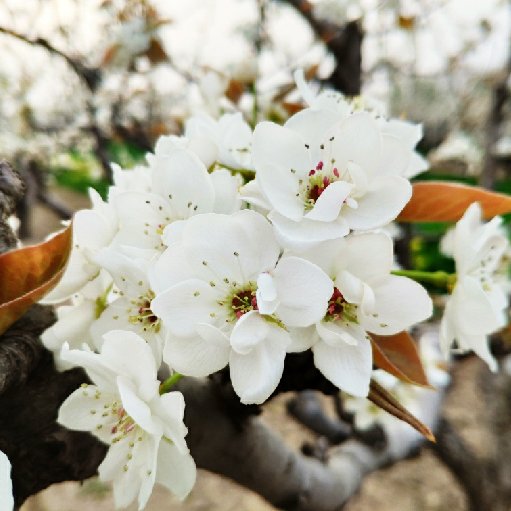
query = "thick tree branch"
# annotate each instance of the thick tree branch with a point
(343, 42)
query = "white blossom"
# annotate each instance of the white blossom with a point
(226, 296)
(123, 408)
(366, 298)
(180, 188)
(328, 171)
(477, 305)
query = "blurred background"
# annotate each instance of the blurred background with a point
(87, 82)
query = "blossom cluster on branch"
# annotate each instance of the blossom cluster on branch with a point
(233, 248)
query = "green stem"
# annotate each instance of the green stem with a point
(439, 279)
(170, 382)
(246, 173)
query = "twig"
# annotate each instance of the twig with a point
(90, 76)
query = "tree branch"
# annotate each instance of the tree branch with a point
(90, 76)
(343, 42)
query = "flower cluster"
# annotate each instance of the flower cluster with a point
(189, 269)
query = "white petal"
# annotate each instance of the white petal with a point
(136, 407)
(227, 198)
(83, 411)
(79, 271)
(303, 290)
(72, 326)
(6, 496)
(369, 256)
(129, 275)
(183, 179)
(117, 317)
(248, 332)
(279, 146)
(252, 194)
(256, 375)
(350, 286)
(128, 354)
(474, 313)
(346, 366)
(176, 471)
(330, 202)
(384, 201)
(266, 294)
(314, 127)
(236, 253)
(395, 156)
(197, 356)
(184, 305)
(358, 139)
(302, 339)
(281, 189)
(93, 364)
(335, 333)
(399, 303)
(304, 234)
(171, 410)
(328, 255)
(142, 217)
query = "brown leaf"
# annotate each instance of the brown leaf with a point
(27, 274)
(155, 53)
(234, 90)
(386, 401)
(406, 22)
(109, 55)
(292, 108)
(398, 355)
(437, 201)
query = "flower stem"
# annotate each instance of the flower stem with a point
(439, 279)
(170, 382)
(248, 174)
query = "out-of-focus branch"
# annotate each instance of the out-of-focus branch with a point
(484, 476)
(500, 95)
(344, 42)
(90, 76)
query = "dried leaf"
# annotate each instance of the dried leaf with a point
(292, 108)
(436, 201)
(406, 22)
(398, 355)
(109, 55)
(386, 401)
(27, 274)
(155, 53)
(234, 90)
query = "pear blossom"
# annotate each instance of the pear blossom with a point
(93, 229)
(227, 297)
(325, 173)
(366, 298)
(6, 497)
(477, 306)
(181, 187)
(123, 408)
(129, 305)
(226, 141)
(400, 154)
